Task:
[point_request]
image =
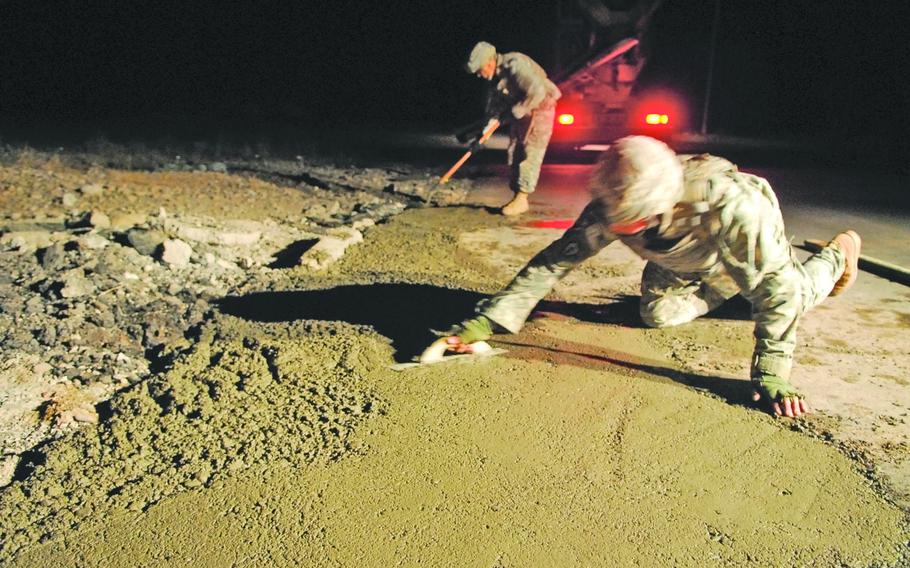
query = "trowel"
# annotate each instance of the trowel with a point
(436, 353)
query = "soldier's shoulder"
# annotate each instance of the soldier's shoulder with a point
(705, 165)
(515, 60)
(706, 177)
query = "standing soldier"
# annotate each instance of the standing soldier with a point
(708, 232)
(522, 95)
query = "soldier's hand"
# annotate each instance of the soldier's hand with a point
(454, 343)
(790, 406)
(782, 397)
(437, 350)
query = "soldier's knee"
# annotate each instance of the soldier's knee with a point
(662, 313)
(651, 316)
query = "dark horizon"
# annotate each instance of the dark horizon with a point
(798, 68)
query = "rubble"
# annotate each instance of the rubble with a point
(70, 199)
(92, 189)
(176, 252)
(94, 220)
(125, 221)
(25, 240)
(74, 284)
(92, 241)
(215, 236)
(88, 304)
(330, 248)
(145, 241)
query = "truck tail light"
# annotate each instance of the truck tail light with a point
(566, 119)
(655, 119)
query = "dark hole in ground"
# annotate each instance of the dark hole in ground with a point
(289, 255)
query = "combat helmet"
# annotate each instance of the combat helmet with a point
(481, 53)
(637, 177)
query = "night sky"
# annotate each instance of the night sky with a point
(804, 67)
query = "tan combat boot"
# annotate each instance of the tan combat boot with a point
(517, 206)
(849, 243)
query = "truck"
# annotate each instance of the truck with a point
(600, 48)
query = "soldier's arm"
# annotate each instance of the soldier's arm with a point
(496, 106)
(510, 308)
(757, 255)
(531, 84)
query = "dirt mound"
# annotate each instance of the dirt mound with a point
(244, 395)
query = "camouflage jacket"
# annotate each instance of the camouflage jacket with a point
(520, 86)
(727, 221)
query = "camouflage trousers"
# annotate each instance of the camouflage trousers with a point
(669, 298)
(528, 139)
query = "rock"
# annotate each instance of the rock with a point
(104, 317)
(92, 219)
(92, 189)
(74, 284)
(219, 167)
(145, 241)
(92, 241)
(13, 306)
(26, 240)
(8, 465)
(41, 369)
(226, 264)
(218, 237)
(52, 257)
(364, 223)
(43, 224)
(70, 199)
(114, 260)
(84, 414)
(66, 403)
(97, 220)
(176, 252)
(47, 335)
(330, 248)
(34, 305)
(126, 221)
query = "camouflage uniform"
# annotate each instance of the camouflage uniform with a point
(522, 94)
(725, 236)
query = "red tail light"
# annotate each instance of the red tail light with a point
(566, 119)
(657, 113)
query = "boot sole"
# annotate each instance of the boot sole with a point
(851, 270)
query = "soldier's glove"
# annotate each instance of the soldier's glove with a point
(476, 329)
(519, 111)
(773, 388)
(469, 134)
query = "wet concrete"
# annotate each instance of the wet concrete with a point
(285, 436)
